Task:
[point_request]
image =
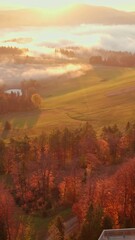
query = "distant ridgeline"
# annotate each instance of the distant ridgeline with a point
(112, 58)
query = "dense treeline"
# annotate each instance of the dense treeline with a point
(69, 168)
(66, 52)
(15, 103)
(11, 51)
(113, 58)
(100, 56)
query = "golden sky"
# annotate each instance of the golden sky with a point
(119, 4)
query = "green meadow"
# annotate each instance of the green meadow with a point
(102, 96)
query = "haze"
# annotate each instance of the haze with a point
(121, 4)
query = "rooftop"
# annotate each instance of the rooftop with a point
(15, 90)
(118, 234)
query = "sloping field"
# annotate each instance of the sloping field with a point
(103, 96)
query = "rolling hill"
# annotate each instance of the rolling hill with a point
(103, 96)
(74, 15)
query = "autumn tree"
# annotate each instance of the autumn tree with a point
(70, 189)
(104, 151)
(57, 229)
(36, 100)
(125, 180)
(112, 135)
(24, 229)
(7, 209)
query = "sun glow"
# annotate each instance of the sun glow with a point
(58, 4)
(51, 4)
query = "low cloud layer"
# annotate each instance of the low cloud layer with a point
(14, 72)
(40, 73)
(44, 41)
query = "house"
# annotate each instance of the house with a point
(14, 90)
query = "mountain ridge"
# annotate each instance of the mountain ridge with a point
(74, 15)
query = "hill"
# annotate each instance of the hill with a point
(101, 97)
(74, 15)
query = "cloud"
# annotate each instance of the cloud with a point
(15, 73)
(119, 39)
(40, 73)
(57, 44)
(115, 37)
(19, 40)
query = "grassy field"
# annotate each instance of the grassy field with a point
(102, 96)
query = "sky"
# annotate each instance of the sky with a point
(118, 4)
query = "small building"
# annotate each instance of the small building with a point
(118, 234)
(17, 91)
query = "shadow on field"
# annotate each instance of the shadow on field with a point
(21, 120)
(26, 119)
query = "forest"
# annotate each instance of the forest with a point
(113, 58)
(11, 51)
(78, 169)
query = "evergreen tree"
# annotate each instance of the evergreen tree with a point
(92, 226)
(7, 126)
(107, 222)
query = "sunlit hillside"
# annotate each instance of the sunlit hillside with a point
(100, 96)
